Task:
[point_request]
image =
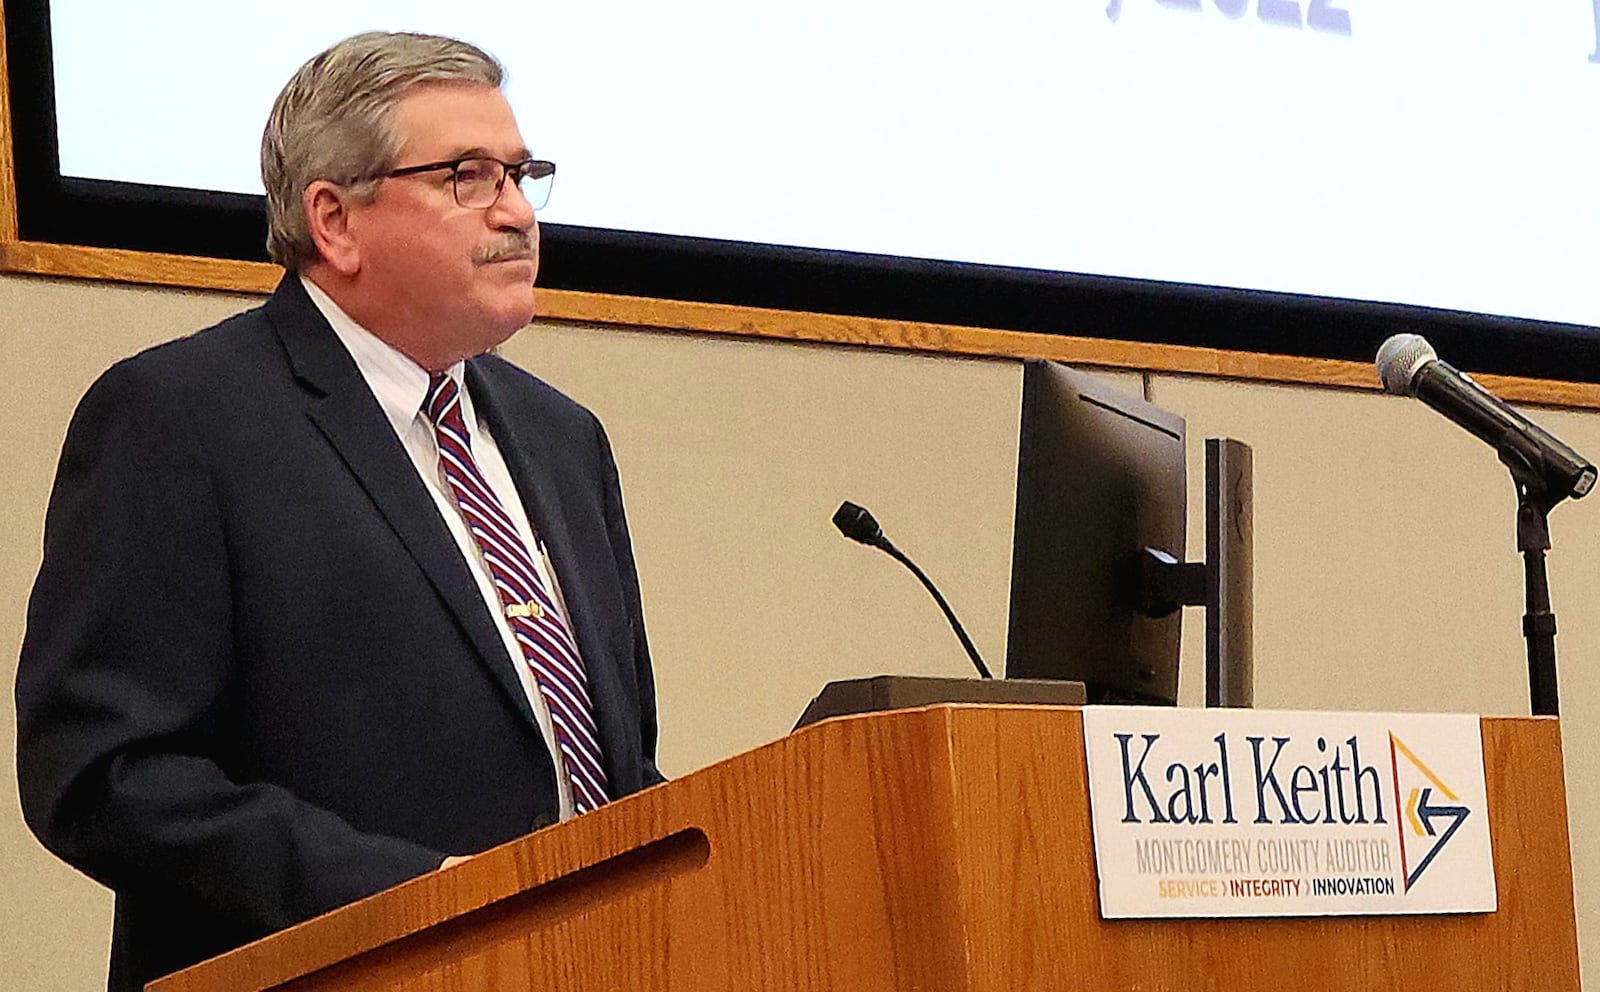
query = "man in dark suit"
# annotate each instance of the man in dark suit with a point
(329, 595)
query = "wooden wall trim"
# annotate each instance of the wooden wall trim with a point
(8, 176)
(634, 313)
(146, 268)
(621, 311)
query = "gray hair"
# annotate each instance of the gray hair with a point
(333, 121)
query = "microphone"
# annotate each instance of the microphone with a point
(858, 524)
(1408, 366)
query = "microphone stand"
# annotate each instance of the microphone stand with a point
(1539, 622)
(1535, 498)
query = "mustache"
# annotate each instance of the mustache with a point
(511, 244)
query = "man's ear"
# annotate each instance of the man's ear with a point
(327, 210)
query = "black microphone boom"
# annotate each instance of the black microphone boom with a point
(1408, 366)
(857, 523)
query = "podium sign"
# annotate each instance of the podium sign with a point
(1205, 813)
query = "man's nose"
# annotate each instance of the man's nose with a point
(512, 209)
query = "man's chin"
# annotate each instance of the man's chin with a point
(514, 316)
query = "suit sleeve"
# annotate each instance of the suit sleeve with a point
(627, 572)
(124, 688)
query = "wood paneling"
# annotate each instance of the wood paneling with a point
(8, 176)
(147, 268)
(633, 313)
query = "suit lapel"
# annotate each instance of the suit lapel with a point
(349, 416)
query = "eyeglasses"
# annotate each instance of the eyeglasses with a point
(478, 182)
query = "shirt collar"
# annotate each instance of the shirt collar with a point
(398, 383)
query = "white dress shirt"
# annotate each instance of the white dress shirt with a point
(400, 386)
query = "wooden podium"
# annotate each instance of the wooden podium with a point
(944, 848)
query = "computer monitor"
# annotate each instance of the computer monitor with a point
(1098, 572)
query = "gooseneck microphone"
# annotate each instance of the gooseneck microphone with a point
(1408, 366)
(856, 523)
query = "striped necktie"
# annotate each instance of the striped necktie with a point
(547, 643)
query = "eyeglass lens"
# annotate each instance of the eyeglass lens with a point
(478, 183)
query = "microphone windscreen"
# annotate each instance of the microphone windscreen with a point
(857, 524)
(1400, 359)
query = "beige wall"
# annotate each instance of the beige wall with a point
(1386, 574)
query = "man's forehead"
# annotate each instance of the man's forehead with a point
(450, 121)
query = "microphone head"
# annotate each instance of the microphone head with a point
(1400, 359)
(857, 524)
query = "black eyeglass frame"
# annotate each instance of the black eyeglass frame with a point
(529, 168)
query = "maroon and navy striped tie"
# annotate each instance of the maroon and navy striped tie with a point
(547, 644)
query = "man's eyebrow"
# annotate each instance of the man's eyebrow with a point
(478, 151)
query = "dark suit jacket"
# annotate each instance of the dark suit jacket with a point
(258, 680)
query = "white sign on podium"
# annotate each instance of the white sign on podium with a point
(1216, 812)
